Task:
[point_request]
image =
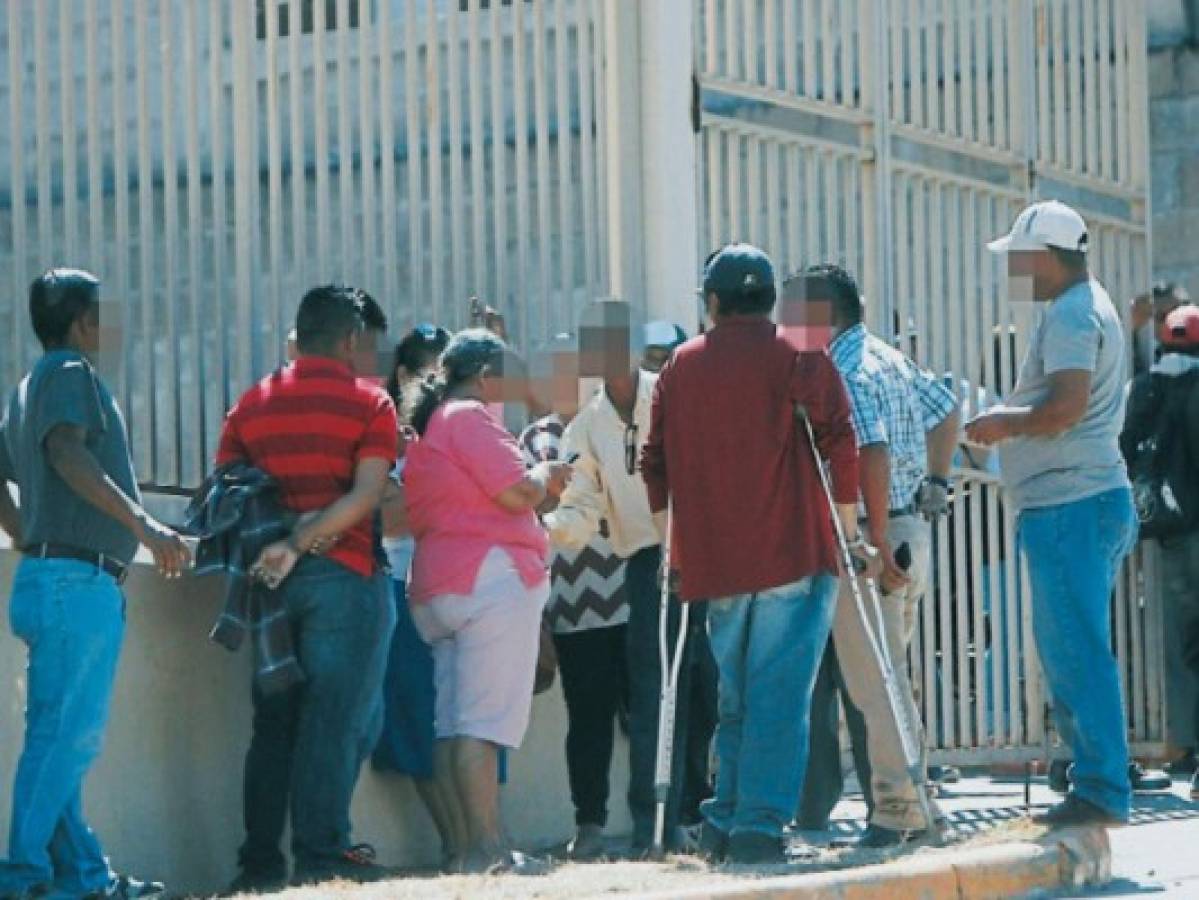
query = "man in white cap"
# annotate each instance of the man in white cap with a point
(1060, 457)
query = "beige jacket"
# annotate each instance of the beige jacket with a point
(601, 486)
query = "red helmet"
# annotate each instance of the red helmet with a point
(1181, 330)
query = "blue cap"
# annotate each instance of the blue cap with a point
(738, 268)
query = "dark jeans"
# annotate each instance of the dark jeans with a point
(644, 689)
(594, 682)
(309, 743)
(823, 782)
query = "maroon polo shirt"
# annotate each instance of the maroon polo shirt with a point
(725, 446)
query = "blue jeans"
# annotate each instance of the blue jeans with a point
(72, 617)
(1074, 552)
(768, 648)
(343, 624)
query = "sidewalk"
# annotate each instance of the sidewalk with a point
(992, 841)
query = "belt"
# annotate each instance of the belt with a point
(102, 561)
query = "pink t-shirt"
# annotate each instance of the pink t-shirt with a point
(451, 478)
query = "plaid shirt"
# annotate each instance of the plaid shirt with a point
(894, 402)
(235, 513)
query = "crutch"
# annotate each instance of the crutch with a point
(876, 636)
(668, 695)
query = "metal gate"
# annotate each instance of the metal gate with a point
(896, 138)
(211, 160)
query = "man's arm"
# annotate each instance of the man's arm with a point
(1062, 409)
(576, 520)
(364, 496)
(653, 456)
(68, 455)
(942, 443)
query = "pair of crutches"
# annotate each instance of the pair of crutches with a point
(876, 637)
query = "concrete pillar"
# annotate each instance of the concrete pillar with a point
(668, 162)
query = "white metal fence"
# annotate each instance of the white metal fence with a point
(213, 159)
(896, 138)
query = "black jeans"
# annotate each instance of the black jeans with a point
(266, 788)
(644, 688)
(823, 782)
(594, 682)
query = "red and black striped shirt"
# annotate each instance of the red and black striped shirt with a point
(308, 425)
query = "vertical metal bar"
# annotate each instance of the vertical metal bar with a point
(194, 411)
(713, 177)
(867, 48)
(499, 153)
(520, 176)
(301, 257)
(774, 191)
(1106, 157)
(601, 139)
(791, 167)
(709, 58)
(845, 36)
(1121, 126)
(753, 196)
(1070, 46)
(736, 210)
(811, 49)
(245, 173)
(274, 165)
(458, 238)
(320, 124)
(169, 437)
(1138, 76)
(586, 61)
(1006, 61)
(564, 309)
(949, 67)
(828, 52)
(1060, 115)
(16, 132)
(436, 144)
(932, 65)
(916, 61)
(984, 88)
(834, 215)
(349, 241)
(899, 71)
(731, 64)
(389, 192)
(94, 251)
(771, 36)
(147, 428)
(41, 117)
(1045, 81)
(791, 38)
(368, 248)
(971, 30)
(1090, 109)
(901, 242)
(542, 163)
(69, 133)
(749, 37)
(478, 152)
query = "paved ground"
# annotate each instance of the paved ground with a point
(1158, 854)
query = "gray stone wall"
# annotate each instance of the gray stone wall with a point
(1174, 145)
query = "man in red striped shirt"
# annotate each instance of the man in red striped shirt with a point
(752, 534)
(329, 439)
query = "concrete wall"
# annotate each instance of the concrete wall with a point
(1174, 145)
(165, 796)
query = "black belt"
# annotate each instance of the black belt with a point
(102, 561)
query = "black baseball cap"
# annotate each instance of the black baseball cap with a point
(738, 268)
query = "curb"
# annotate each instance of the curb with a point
(1070, 858)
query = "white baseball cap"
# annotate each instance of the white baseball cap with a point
(1049, 223)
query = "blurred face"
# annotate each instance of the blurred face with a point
(806, 316)
(504, 382)
(604, 352)
(365, 356)
(87, 334)
(1035, 275)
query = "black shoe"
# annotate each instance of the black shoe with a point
(754, 848)
(125, 888)
(713, 843)
(1143, 779)
(355, 863)
(1076, 811)
(1059, 776)
(1184, 765)
(258, 881)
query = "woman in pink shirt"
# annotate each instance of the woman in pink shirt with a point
(478, 582)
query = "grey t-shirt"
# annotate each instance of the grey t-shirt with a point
(1078, 330)
(64, 389)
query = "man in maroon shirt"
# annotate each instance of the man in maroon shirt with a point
(752, 533)
(329, 439)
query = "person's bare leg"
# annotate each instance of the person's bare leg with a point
(430, 795)
(444, 788)
(476, 768)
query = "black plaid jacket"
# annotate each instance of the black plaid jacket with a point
(235, 513)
